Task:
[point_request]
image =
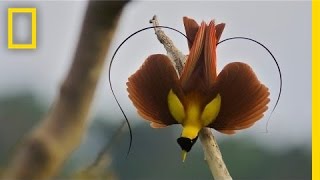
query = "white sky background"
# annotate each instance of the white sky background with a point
(284, 27)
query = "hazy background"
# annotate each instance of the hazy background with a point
(29, 80)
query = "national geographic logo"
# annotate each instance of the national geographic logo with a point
(16, 42)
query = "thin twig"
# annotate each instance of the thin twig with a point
(60, 132)
(99, 169)
(211, 149)
(102, 157)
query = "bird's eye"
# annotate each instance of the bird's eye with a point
(194, 140)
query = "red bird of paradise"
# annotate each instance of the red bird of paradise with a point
(197, 97)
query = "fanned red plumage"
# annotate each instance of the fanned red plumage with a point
(243, 98)
(200, 69)
(219, 30)
(191, 27)
(210, 55)
(194, 56)
(149, 88)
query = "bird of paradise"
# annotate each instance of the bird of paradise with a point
(197, 97)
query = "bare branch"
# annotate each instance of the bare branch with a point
(213, 155)
(46, 148)
(211, 149)
(174, 53)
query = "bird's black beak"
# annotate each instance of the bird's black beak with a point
(186, 145)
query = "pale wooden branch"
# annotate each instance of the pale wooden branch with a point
(213, 155)
(211, 149)
(175, 55)
(50, 143)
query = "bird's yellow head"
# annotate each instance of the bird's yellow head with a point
(193, 115)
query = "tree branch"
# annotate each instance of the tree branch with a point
(174, 53)
(213, 155)
(46, 148)
(211, 149)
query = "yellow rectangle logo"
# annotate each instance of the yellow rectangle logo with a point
(33, 44)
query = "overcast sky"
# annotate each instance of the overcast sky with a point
(284, 27)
